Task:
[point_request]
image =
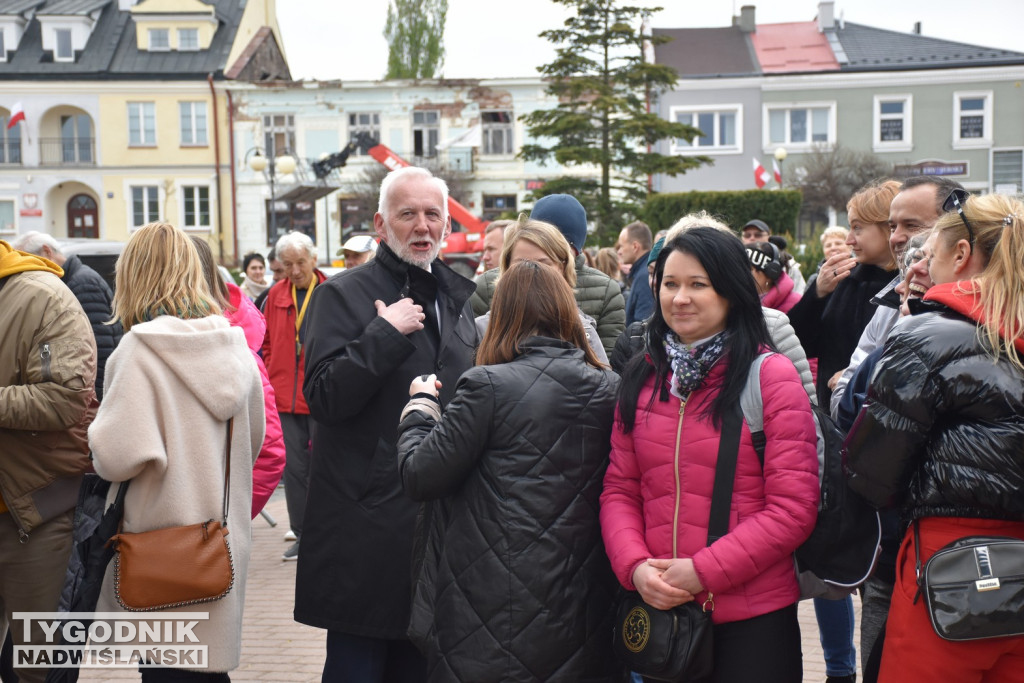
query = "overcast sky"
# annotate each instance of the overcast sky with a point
(343, 39)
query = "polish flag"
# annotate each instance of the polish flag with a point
(778, 171)
(761, 176)
(17, 114)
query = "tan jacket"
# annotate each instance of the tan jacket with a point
(47, 400)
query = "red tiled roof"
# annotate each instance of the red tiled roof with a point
(797, 46)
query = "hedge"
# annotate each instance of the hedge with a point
(778, 208)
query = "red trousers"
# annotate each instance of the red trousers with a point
(912, 652)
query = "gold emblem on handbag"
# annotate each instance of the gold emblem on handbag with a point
(176, 566)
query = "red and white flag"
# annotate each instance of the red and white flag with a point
(761, 176)
(17, 114)
(778, 171)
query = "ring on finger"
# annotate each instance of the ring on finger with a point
(835, 273)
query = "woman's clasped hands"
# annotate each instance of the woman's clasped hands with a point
(666, 583)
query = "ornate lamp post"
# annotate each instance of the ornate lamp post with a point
(780, 156)
(270, 167)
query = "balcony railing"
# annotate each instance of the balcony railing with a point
(67, 151)
(10, 153)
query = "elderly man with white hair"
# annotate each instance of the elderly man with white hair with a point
(88, 286)
(286, 310)
(371, 330)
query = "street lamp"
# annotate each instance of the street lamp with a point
(780, 156)
(270, 167)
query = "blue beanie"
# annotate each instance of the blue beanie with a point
(565, 213)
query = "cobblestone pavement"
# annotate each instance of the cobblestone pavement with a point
(276, 648)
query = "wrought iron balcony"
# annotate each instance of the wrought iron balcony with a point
(67, 151)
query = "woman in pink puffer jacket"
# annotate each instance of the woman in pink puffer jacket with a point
(241, 312)
(706, 330)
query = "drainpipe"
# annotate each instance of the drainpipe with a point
(234, 183)
(216, 168)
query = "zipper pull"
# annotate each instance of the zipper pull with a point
(22, 536)
(44, 355)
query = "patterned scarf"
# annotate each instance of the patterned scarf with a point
(691, 364)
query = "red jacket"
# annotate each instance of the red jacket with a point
(269, 465)
(284, 367)
(750, 569)
(783, 296)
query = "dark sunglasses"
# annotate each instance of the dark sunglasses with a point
(955, 201)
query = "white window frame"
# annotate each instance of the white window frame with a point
(508, 131)
(181, 43)
(427, 130)
(185, 187)
(157, 31)
(57, 56)
(130, 200)
(986, 138)
(371, 126)
(770, 147)
(14, 215)
(193, 107)
(907, 143)
(992, 167)
(138, 110)
(715, 149)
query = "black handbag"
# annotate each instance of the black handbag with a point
(973, 587)
(677, 644)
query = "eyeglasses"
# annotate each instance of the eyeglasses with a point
(956, 200)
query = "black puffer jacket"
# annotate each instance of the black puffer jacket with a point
(515, 584)
(92, 292)
(942, 433)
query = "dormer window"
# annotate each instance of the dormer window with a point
(159, 40)
(63, 51)
(188, 39)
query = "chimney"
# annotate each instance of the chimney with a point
(747, 23)
(917, 27)
(826, 16)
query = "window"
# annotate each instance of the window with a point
(188, 39)
(7, 215)
(10, 141)
(497, 131)
(802, 125)
(278, 134)
(1008, 171)
(64, 52)
(196, 204)
(972, 119)
(159, 40)
(145, 205)
(284, 217)
(76, 139)
(426, 128)
(364, 123)
(141, 124)
(721, 128)
(893, 121)
(193, 123)
(497, 204)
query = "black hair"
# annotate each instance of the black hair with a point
(722, 255)
(250, 257)
(943, 186)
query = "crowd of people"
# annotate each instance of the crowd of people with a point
(476, 471)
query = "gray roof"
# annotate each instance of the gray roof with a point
(66, 7)
(707, 52)
(112, 53)
(873, 49)
(11, 7)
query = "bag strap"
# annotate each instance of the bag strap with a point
(725, 475)
(752, 404)
(227, 468)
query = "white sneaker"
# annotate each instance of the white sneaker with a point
(290, 536)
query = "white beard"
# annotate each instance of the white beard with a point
(406, 254)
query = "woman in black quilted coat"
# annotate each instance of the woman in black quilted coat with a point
(942, 433)
(514, 584)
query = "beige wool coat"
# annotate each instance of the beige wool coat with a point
(170, 387)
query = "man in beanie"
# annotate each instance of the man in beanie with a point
(597, 294)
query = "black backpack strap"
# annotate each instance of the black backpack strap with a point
(725, 474)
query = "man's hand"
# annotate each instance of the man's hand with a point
(404, 315)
